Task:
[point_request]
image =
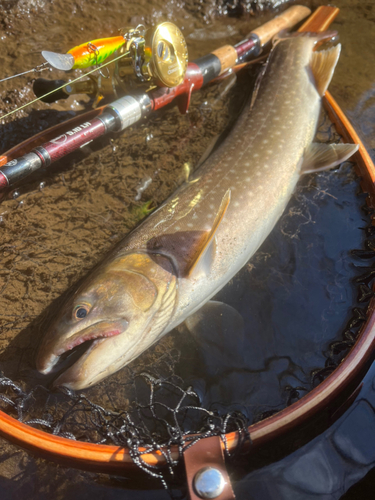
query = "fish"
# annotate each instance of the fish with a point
(181, 255)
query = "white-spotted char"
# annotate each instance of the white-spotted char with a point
(187, 250)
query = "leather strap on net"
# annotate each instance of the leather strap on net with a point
(207, 452)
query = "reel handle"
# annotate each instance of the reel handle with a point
(42, 86)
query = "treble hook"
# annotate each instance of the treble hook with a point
(93, 48)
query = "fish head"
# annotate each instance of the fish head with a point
(118, 311)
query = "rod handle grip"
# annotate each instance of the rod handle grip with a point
(286, 20)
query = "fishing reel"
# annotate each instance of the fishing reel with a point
(157, 55)
(141, 59)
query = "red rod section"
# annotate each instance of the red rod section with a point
(123, 113)
(72, 140)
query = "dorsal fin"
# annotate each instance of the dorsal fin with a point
(205, 253)
(323, 65)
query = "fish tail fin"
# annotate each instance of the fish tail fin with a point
(323, 64)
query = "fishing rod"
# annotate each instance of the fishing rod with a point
(163, 66)
(121, 80)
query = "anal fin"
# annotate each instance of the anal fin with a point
(320, 157)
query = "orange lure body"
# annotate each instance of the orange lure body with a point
(95, 52)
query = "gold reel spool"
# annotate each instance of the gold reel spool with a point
(166, 55)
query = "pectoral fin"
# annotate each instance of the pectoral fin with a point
(320, 157)
(323, 65)
(201, 260)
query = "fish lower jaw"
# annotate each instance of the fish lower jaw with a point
(46, 367)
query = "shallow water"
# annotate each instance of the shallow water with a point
(87, 202)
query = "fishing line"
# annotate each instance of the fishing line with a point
(65, 85)
(37, 69)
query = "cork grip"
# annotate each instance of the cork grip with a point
(227, 56)
(286, 20)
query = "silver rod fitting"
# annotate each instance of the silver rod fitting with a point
(127, 111)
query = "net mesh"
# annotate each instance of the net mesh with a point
(154, 426)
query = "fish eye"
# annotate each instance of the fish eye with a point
(81, 312)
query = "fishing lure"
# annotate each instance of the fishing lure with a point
(85, 55)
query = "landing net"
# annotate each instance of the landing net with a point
(302, 296)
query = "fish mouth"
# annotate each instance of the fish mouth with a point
(52, 350)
